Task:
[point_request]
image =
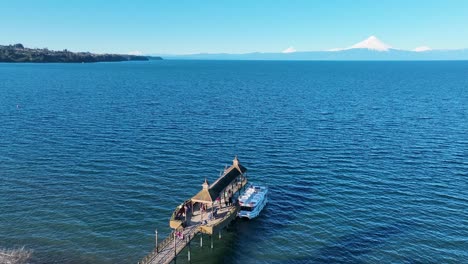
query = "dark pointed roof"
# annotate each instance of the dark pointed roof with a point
(209, 195)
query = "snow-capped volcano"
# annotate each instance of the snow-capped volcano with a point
(371, 43)
(422, 49)
(289, 50)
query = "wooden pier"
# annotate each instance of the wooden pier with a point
(208, 212)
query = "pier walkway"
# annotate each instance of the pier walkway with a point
(170, 247)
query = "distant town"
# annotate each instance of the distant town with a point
(18, 53)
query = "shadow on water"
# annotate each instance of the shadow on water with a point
(351, 248)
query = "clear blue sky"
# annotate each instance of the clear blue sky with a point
(235, 26)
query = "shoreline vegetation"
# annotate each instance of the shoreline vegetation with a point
(18, 53)
(15, 256)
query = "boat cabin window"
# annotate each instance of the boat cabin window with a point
(246, 208)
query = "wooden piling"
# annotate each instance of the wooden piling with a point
(175, 247)
(188, 256)
(156, 232)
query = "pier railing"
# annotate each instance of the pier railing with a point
(149, 258)
(168, 250)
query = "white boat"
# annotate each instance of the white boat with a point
(252, 201)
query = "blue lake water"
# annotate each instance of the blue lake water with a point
(366, 161)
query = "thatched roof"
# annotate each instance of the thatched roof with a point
(209, 193)
(204, 195)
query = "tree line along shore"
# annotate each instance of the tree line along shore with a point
(18, 53)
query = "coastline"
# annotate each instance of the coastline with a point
(17, 53)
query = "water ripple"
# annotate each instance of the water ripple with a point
(366, 161)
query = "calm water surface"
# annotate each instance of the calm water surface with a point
(366, 161)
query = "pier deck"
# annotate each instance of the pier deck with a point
(198, 223)
(215, 215)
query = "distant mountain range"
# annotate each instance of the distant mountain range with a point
(369, 49)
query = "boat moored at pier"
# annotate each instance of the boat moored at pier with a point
(252, 201)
